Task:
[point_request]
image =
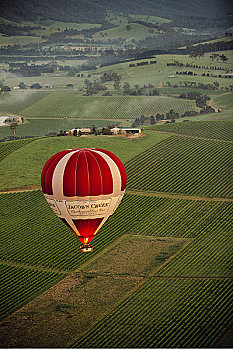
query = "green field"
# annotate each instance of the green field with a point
(166, 313)
(19, 40)
(15, 101)
(122, 107)
(24, 166)
(31, 236)
(225, 101)
(185, 165)
(42, 127)
(217, 130)
(9, 147)
(136, 31)
(160, 274)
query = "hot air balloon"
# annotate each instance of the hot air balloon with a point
(83, 187)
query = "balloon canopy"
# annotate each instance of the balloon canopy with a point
(84, 187)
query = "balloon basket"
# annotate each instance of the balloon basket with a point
(86, 248)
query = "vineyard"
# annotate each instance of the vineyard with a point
(166, 313)
(20, 285)
(36, 231)
(160, 275)
(16, 101)
(218, 130)
(183, 165)
(7, 148)
(61, 104)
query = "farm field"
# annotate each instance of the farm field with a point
(15, 101)
(82, 284)
(160, 274)
(42, 127)
(189, 242)
(137, 30)
(19, 40)
(159, 320)
(182, 164)
(23, 168)
(217, 130)
(7, 148)
(122, 107)
(157, 74)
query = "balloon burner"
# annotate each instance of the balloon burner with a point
(86, 248)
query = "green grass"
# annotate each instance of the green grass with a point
(42, 127)
(70, 105)
(156, 74)
(24, 166)
(19, 40)
(225, 101)
(218, 130)
(136, 32)
(120, 19)
(7, 148)
(184, 165)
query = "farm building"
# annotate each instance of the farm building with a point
(84, 131)
(132, 130)
(117, 131)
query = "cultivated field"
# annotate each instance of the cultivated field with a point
(122, 107)
(185, 165)
(160, 274)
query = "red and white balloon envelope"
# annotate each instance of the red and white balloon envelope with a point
(83, 187)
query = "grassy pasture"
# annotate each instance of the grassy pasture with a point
(136, 32)
(120, 19)
(24, 166)
(98, 107)
(42, 127)
(156, 74)
(225, 101)
(57, 80)
(19, 40)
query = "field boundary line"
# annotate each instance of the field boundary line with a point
(145, 279)
(37, 187)
(35, 267)
(178, 196)
(192, 136)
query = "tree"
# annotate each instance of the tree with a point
(36, 86)
(223, 58)
(5, 88)
(126, 88)
(22, 85)
(142, 119)
(13, 127)
(88, 87)
(152, 120)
